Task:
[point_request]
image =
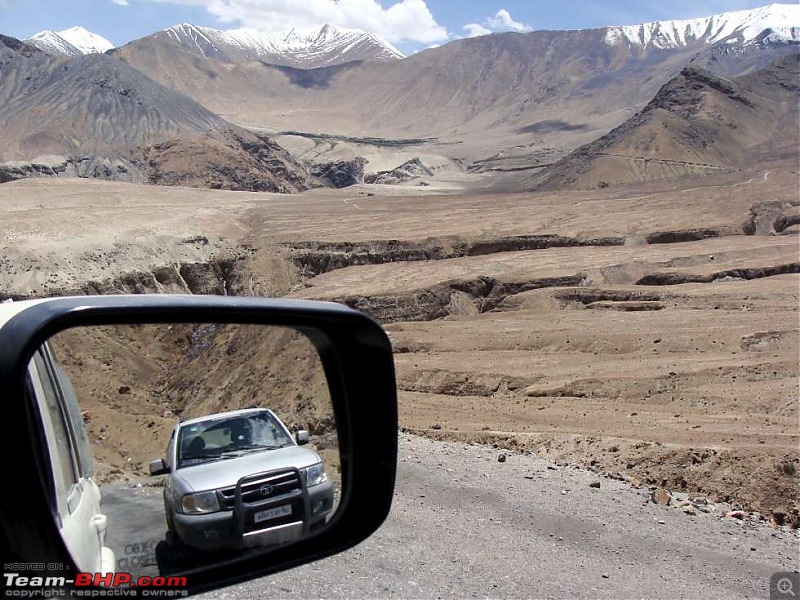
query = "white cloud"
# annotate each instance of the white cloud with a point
(405, 20)
(475, 29)
(502, 21)
(120, 2)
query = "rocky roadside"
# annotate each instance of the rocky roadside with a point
(473, 521)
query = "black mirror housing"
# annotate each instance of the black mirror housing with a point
(357, 359)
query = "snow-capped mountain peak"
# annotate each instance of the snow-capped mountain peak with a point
(86, 41)
(300, 47)
(75, 41)
(781, 22)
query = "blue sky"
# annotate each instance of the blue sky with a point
(410, 24)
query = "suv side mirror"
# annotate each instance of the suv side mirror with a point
(363, 418)
(301, 437)
(158, 467)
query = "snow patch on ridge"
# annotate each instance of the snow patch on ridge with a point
(303, 45)
(744, 26)
(75, 41)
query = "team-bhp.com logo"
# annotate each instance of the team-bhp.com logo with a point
(94, 585)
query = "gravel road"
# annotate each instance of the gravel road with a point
(464, 525)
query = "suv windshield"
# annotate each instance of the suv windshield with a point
(216, 439)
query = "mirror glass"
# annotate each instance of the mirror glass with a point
(176, 446)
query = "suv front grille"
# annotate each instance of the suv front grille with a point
(270, 486)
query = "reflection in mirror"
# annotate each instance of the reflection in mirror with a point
(207, 442)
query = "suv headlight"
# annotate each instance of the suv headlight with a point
(200, 503)
(315, 474)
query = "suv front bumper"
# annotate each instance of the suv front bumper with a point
(219, 530)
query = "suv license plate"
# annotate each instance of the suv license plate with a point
(272, 513)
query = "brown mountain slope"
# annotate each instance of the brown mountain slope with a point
(698, 123)
(543, 90)
(141, 378)
(96, 116)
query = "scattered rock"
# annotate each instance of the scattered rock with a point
(436, 426)
(736, 514)
(501, 458)
(594, 484)
(661, 496)
(690, 510)
(408, 170)
(125, 389)
(721, 509)
(631, 479)
(342, 173)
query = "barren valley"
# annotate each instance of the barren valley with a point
(649, 332)
(584, 246)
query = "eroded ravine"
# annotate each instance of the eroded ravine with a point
(562, 345)
(671, 363)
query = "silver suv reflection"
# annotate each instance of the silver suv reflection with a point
(238, 479)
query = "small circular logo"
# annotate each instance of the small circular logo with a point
(266, 489)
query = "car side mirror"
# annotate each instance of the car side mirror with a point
(158, 467)
(181, 368)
